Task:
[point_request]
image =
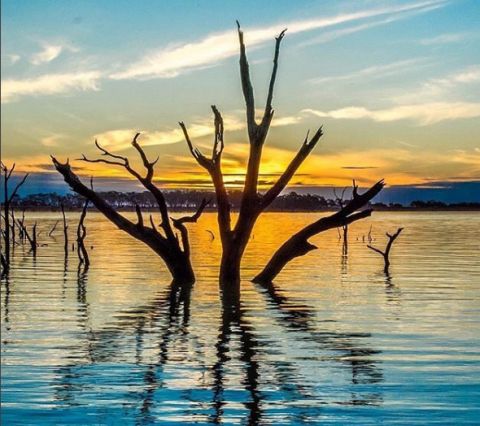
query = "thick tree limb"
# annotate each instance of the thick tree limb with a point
(247, 87)
(179, 224)
(298, 244)
(139, 216)
(297, 161)
(268, 114)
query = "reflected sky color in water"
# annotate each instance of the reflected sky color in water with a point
(334, 341)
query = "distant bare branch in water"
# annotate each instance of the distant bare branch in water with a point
(4, 264)
(65, 231)
(53, 229)
(165, 244)
(386, 253)
(298, 244)
(9, 233)
(32, 238)
(81, 235)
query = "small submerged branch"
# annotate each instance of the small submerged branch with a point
(386, 253)
(81, 235)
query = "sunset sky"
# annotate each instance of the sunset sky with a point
(396, 85)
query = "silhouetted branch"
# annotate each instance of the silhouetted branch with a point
(298, 244)
(65, 231)
(213, 166)
(146, 181)
(168, 249)
(81, 235)
(53, 228)
(139, 216)
(386, 254)
(247, 87)
(297, 161)
(6, 207)
(179, 224)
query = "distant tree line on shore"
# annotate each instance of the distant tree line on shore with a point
(190, 199)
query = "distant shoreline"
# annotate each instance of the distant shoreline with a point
(173, 210)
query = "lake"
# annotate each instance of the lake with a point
(334, 341)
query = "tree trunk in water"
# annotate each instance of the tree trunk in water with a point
(173, 250)
(182, 271)
(235, 239)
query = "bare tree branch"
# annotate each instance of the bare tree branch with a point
(168, 249)
(386, 254)
(179, 224)
(298, 244)
(214, 168)
(283, 180)
(146, 181)
(268, 114)
(247, 87)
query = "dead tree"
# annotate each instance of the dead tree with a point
(53, 228)
(65, 231)
(32, 238)
(341, 202)
(7, 201)
(298, 244)
(81, 235)
(386, 253)
(234, 238)
(174, 251)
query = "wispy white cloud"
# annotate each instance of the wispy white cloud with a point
(51, 140)
(444, 39)
(329, 36)
(176, 59)
(199, 129)
(48, 53)
(422, 114)
(440, 88)
(13, 58)
(49, 84)
(120, 139)
(375, 71)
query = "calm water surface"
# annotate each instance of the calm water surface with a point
(335, 341)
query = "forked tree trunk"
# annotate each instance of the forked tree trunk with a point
(235, 239)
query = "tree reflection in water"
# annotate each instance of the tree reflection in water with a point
(167, 318)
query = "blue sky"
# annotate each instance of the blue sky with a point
(395, 84)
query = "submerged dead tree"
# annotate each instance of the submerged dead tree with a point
(7, 202)
(65, 231)
(234, 238)
(162, 239)
(81, 235)
(298, 244)
(386, 253)
(341, 202)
